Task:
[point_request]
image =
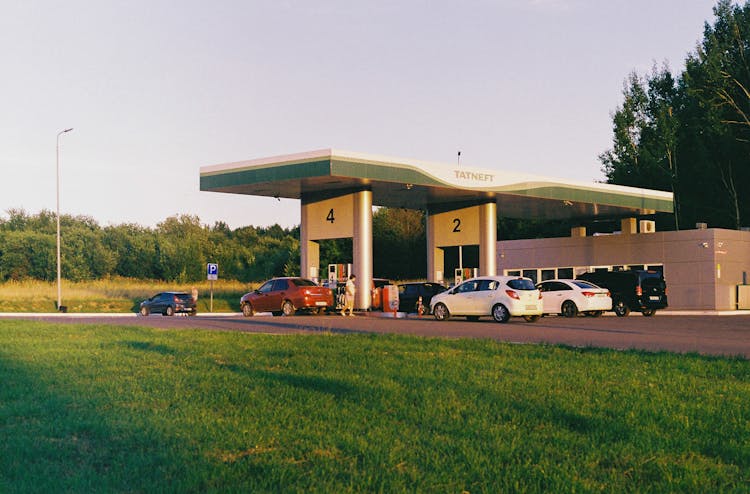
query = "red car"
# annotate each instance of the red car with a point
(285, 296)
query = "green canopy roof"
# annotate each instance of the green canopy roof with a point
(429, 186)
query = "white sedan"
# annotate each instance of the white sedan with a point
(498, 296)
(571, 297)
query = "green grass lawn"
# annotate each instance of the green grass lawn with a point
(112, 409)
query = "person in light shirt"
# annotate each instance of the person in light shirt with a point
(350, 290)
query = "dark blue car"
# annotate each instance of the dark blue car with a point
(169, 304)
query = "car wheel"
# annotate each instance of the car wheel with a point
(569, 309)
(534, 318)
(500, 313)
(144, 311)
(441, 313)
(247, 310)
(621, 308)
(649, 312)
(287, 308)
(593, 313)
(169, 311)
(472, 318)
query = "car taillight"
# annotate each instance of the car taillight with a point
(512, 294)
(588, 294)
(638, 291)
(176, 299)
(609, 294)
(540, 295)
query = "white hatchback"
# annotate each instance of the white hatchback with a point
(571, 297)
(498, 296)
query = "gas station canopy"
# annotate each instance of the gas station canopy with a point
(412, 184)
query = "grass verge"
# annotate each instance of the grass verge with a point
(113, 295)
(107, 408)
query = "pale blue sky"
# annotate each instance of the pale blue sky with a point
(156, 89)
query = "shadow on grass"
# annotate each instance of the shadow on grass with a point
(56, 441)
(148, 346)
(64, 435)
(303, 324)
(334, 387)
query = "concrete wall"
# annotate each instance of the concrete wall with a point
(702, 267)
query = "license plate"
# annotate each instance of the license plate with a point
(531, 307)
(320, 303)
(654, 297)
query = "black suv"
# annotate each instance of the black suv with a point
(639, 290)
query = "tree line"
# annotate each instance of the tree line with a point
(179, 248)
(176, 250)
(689, 133)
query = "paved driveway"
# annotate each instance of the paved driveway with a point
(705, 334)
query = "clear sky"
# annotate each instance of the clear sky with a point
(156, 89)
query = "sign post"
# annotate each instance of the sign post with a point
(212, 274)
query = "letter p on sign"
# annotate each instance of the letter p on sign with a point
(212, 271)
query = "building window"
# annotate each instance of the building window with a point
(548, 274)
(530, 273)
(565, 273)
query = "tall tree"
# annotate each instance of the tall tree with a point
(715, 85)
(691, 135)
(644, 152)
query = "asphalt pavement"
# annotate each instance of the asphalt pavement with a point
(708, 333)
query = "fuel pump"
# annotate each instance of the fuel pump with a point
(462, 274)
(337, 276)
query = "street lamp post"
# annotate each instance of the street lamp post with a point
(57, 166)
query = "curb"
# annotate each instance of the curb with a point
(378, 314)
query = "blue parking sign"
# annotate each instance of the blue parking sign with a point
(212, 271)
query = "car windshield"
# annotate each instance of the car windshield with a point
(650, 274)
(584, 284)
(303, 282)
(521, 284)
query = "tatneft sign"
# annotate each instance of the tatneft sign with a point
(474, 176)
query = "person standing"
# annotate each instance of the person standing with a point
(350, 290)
